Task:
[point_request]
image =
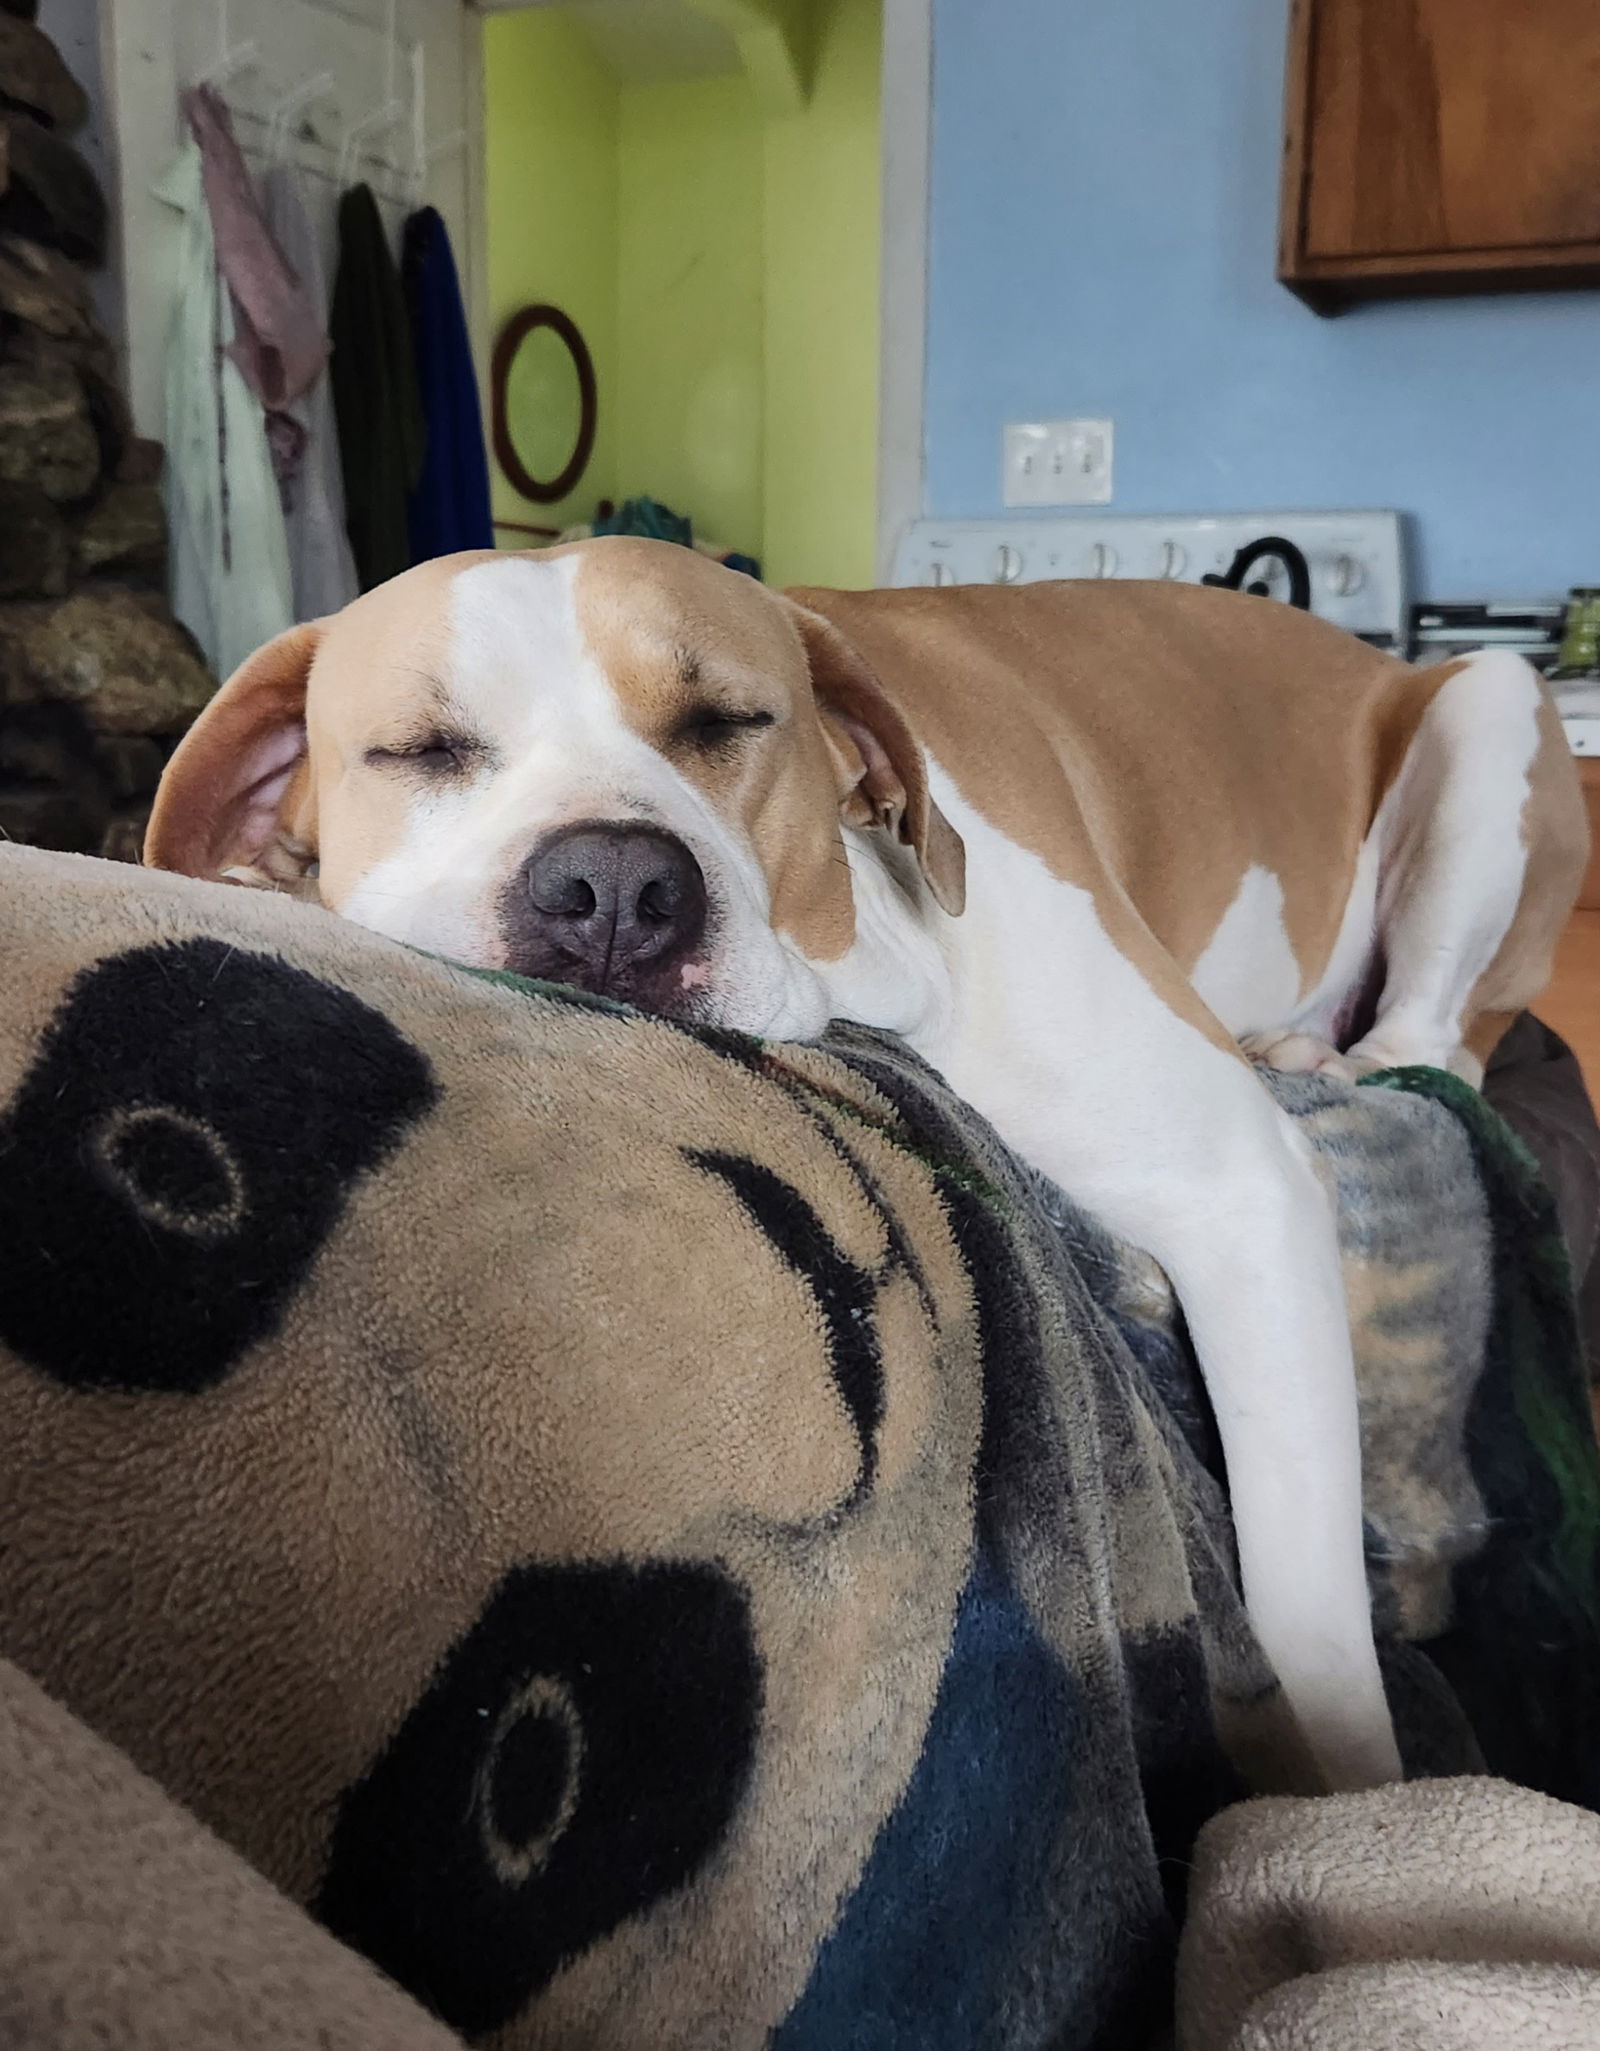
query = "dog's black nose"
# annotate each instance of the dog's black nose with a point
(607, 908)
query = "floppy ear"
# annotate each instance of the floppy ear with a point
(883, 778)
(235, 801)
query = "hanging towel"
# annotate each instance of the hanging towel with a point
(450, 506)
(230, 558)
(382, 438)
(280, 335)
(321, 565)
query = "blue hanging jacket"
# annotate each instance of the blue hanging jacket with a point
(449, 509)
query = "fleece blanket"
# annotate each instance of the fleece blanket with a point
(659, 1541)
(1451, 1914)
(126, 1926)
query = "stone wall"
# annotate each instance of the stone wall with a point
(97, 680)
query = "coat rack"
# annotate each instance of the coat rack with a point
(402, 109)
(232, 58)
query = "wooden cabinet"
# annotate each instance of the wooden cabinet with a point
(1440, 146)
(1572, 1002)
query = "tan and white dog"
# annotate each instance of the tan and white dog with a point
(1091, 847)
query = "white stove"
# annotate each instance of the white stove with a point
(1356, 560)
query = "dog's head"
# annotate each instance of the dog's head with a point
(615, 765)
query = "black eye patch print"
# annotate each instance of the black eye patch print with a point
(177, 1155)
(579, 1754)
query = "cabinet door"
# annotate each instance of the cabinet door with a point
(1444, 137)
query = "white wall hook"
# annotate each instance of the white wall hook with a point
(232, 58)
(446, 146)
(386, 117)
(294, 102)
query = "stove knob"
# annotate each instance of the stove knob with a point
(1102, 560)
(1007, 564)
(943, 573)
(1174, 560)
(1348, 577)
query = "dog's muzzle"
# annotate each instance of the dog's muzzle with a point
(614, 908)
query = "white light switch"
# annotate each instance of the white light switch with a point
(1057, 463)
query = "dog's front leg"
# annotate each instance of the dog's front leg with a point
(1164, 1131)
(1097, 1060)
(1255, 1263)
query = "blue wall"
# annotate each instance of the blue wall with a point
(1103, 225)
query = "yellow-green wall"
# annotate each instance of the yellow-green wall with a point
(822, 312)
(551, 134)
(729, 262)
(689, 296)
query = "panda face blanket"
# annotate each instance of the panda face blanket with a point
(666, 1543)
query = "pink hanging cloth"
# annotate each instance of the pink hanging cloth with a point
(281, 343)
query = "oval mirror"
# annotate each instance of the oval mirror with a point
(544, 403)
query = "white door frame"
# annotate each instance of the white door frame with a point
(903, 308)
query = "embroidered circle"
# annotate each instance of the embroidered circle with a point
(172, 1169)
(530, 1780)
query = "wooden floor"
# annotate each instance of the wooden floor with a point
(1572, 1002)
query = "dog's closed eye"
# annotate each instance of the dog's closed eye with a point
(716, 726)
(433, 753)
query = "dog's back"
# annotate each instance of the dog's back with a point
(1155, 742)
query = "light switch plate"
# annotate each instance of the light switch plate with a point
(1057, 462)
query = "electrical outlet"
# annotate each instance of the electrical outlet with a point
(1057, 463)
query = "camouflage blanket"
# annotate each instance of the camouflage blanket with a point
(661, 1541)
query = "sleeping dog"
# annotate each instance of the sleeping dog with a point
(1093, 848)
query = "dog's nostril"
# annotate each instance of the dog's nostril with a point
(565, 897)
(660, 901)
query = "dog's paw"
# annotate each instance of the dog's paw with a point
(1303, 1054)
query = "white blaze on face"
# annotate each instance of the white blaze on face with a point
(523, 683)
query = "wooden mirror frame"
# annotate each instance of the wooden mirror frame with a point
(512, 336)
